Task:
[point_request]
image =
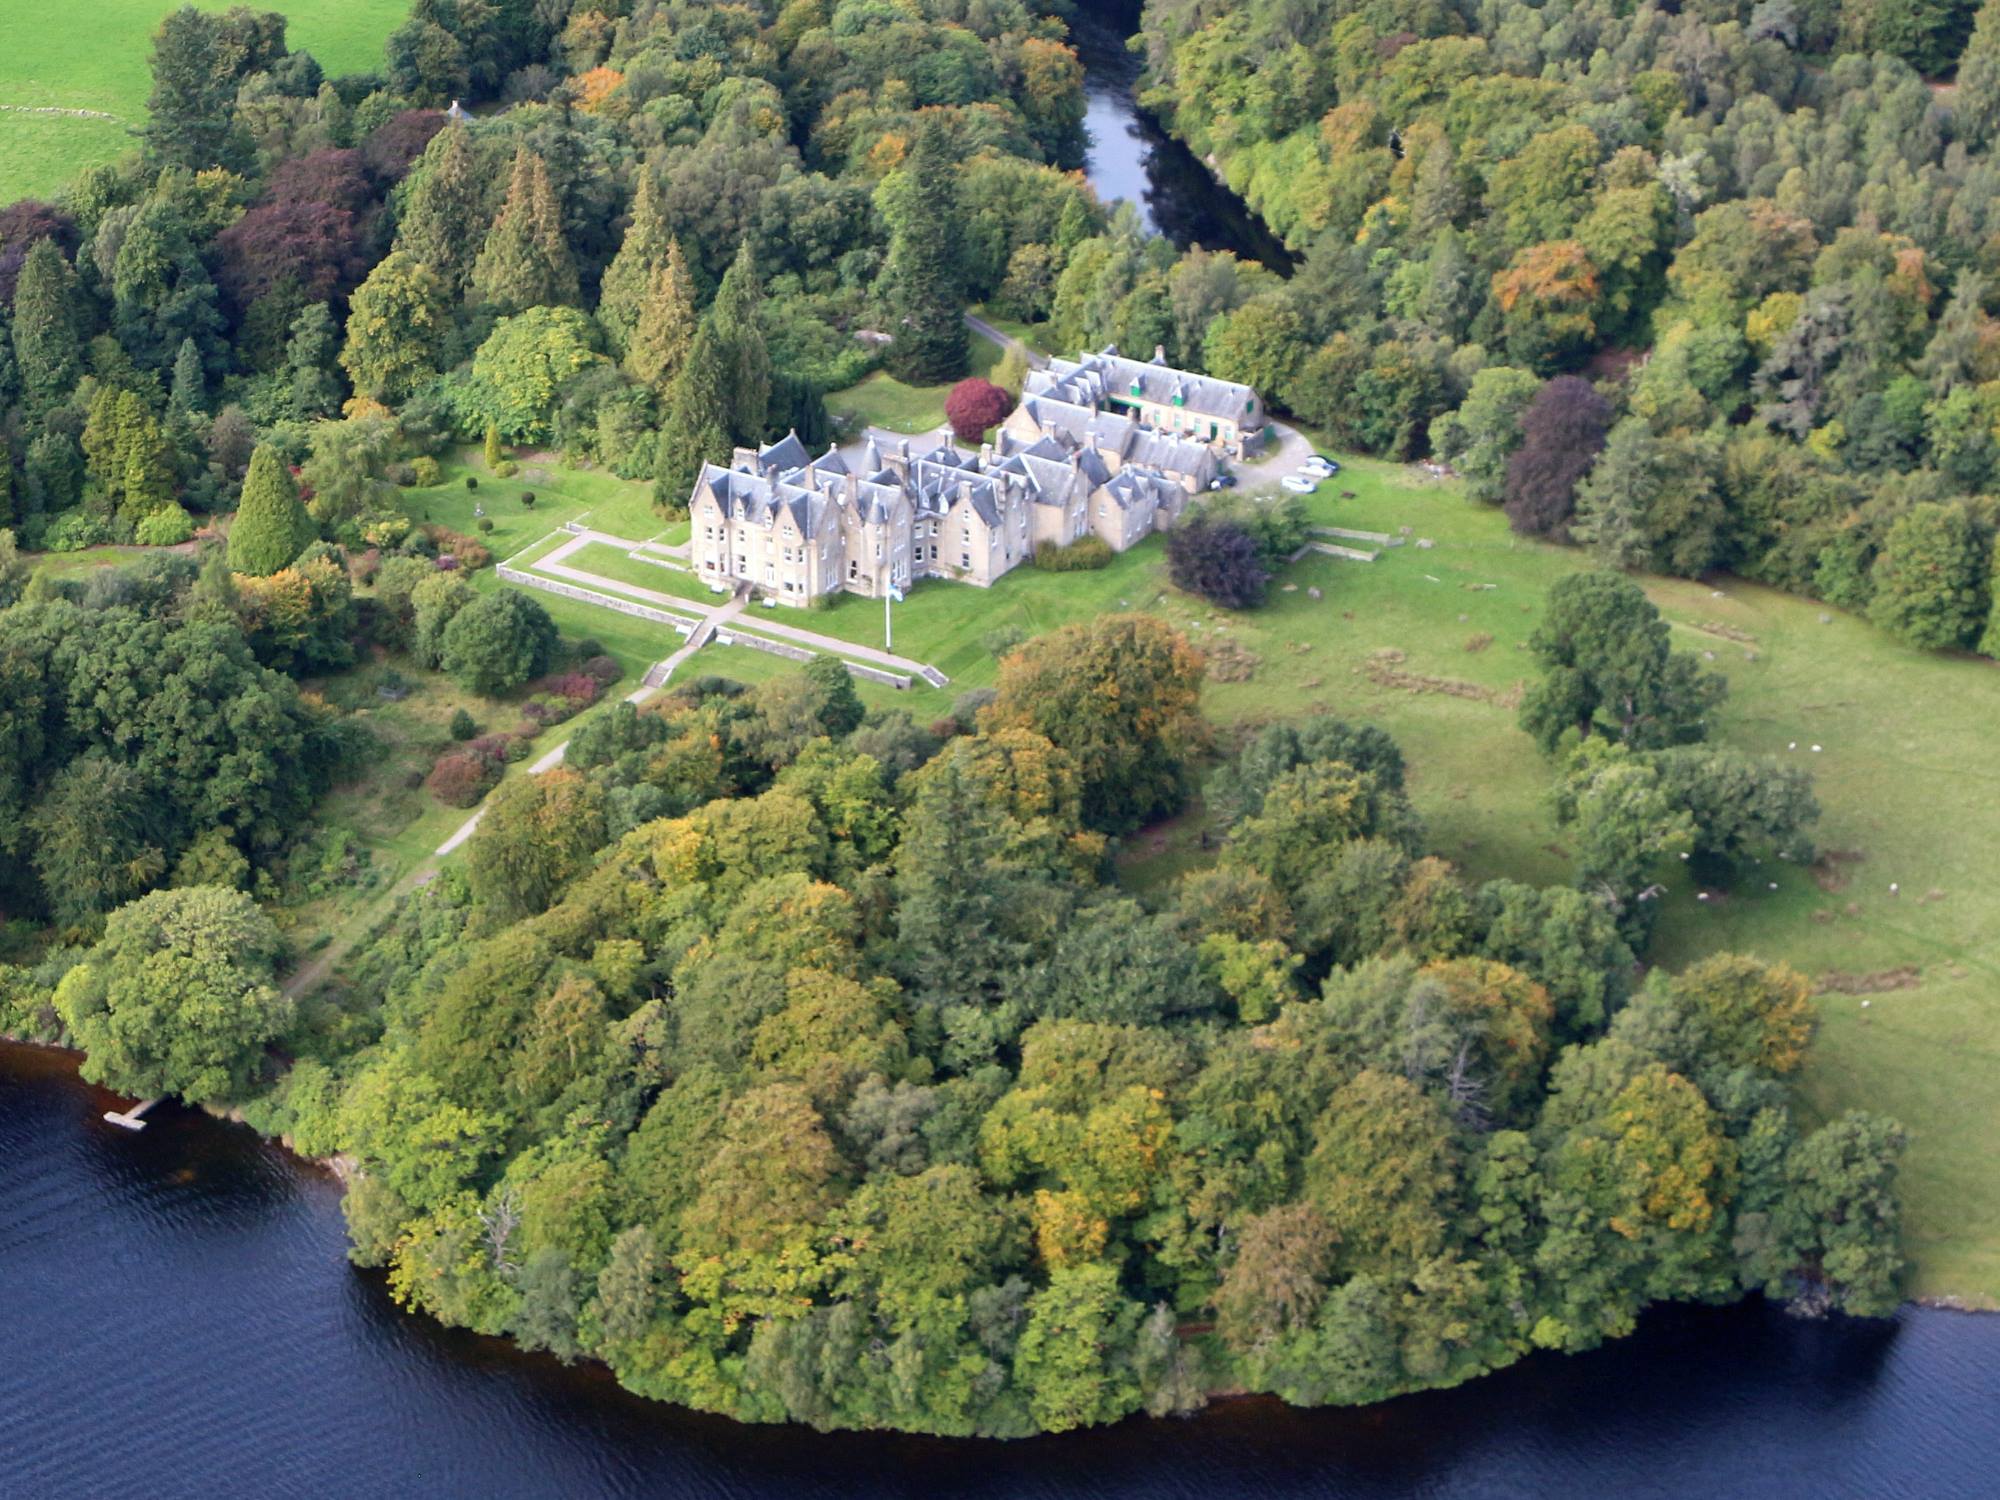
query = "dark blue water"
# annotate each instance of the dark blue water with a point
(1130, 157)
(179, 1321)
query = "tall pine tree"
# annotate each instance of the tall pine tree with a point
(629, 279)
(920, 204)
(190, 387)
(45, 333)
(526, 261)
(665, 327)
(746, 361)
(271, 526)
(697, 427)
(444, 213)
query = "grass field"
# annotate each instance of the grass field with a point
(614, 563)
(881, 400)
(98, 60)
(621, 507)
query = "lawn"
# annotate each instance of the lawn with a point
(616, 563)
(621, 507)
(953, 626)
(99, 61)
(881, 400)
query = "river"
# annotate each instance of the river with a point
(180, 1321)
(1130, 157)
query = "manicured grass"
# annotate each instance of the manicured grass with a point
(950, 625)
(621, 507)
(747, 665)
(881, 400)
(99, 60)
(615, 563)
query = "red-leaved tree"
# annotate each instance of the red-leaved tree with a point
(975, 405)
(1561, 432)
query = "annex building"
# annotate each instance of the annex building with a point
(795, 527)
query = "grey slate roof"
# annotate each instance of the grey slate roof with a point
(1095, 378)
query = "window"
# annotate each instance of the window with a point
(853, 569)
(965, 559)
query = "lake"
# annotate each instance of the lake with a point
(181, 1321)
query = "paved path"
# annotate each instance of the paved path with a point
(654, 680)
(992, 335)
(716, 614)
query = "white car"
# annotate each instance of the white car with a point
(1299, 484)
(1318, 468)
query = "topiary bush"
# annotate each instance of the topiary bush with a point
(527, 499)
(472, 481)
(462, 727)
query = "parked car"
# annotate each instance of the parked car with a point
(1321, 465)
(1300, 484)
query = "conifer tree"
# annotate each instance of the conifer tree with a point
(526, 261)
(147, 460)
(697, 427)
(443, 223)
(271, 525)
(493, 454)
(190, 387)
(920, 204)
(666, 326)
(633, 272)
(45, 334)
(7, 512)
(746, 361)
(309, 357)
(1976, 108)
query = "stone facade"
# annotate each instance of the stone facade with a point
(793, 527)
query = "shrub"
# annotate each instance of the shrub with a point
(400, 474)
(426, 471)
(73, 530)
(472, 481)
(603, 668)
(168, 527)
(1085, 554)
(485, 523)
(461, 778)
(527, 499)
(507, 468)
(462, 727)
(515, 747)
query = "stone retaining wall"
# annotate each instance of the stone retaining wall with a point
(685, 624)
(790, 652)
